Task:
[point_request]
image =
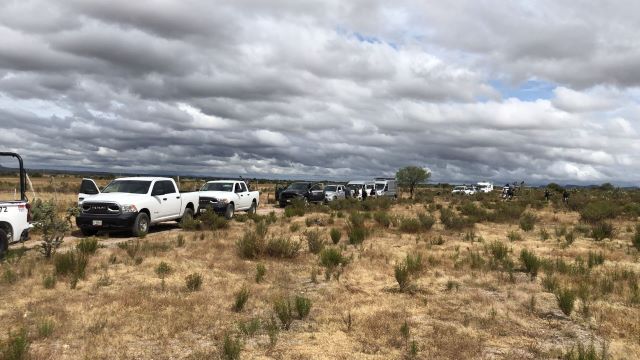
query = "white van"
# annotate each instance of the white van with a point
(356, 187)
(485, 187)
(386, 187)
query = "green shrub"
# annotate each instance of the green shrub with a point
(598, 211)
(566, 299)
(72, 263)
(514, 236)
(506, 212)
(16, 347)
(212, 221)
(584, 353)
(382, 218)
(297, 208)
(601, 231)
(636, 238)
(530, 262)
(335, 234)
(250, 246)
(315, 241)
(477, 214)
(407, 270)
(410, 225)
(294, 227)
(49, 281)
(356, 230)
(131, 247)
(241, 298)
(231, 348)
(527, 221)
(498, 250)
(193, 282)
(303, 306)
(550, 283)
(544, 234)
(249, 328)
(261, 270)
(331, 257)
(451, 221)
(87, 246)
(46, 327)
(190, 224)
(282, 247)
(284, 311)
(163, 269)
(426, 221)
(414, 263)
(402, 276)
(595, 259)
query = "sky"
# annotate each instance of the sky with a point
(534, 91)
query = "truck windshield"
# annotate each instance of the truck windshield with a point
(128, 186)
(380, 186)
(227, 186)
(298, 186)
(331, 188)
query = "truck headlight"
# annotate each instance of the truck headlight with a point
(129, 209)
(223, 201)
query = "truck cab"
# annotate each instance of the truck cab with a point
(386, 187)
(15, 211)
(228, 196)
(302, 190)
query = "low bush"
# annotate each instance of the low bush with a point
(408, 270)
(284, 311)
(498, 250)
(16, 346)
(335, 234)
(550, 283)
(212, 221)
(544, 234)
(303, 306)
(382, 218)
(451, 221)
(193, 282)
(506, 212)
(601, 231)
(250, 246)
(315, 240)
(356, 230)
(636, 238)
(331, 257)
(595, 259)
(87, 246)
(281, 247)
(426, 221)
(241, 298)
(261, 271)
(598, 211)
(231, 348)
(73, 263)
(566, 299)
(514, 236)
(49, 281)
(530, 262)
(410, 225)
(527, 221)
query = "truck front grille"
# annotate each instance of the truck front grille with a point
(101, 208)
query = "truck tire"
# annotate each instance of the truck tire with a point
(4, 243)
(187, 216)
(252, 209)
(228, 214)
(140, 225)
(88, 232)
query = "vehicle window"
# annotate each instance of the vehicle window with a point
(298, 186)
(128, 186)
(87, 187)
(158, 188)
(218, 187)
(237, 188)
(243, 187)
(317, 187)
(169, 188)
(380, 186)
(331, 188)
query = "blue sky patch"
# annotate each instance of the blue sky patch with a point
(530, 90)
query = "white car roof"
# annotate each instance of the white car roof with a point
(221, 181)
(144, 178)
(357, 182)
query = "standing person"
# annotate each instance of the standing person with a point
(364, 193)
(546, 194)
(565, 196)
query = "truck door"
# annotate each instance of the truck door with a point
(173, 204)
(244, 201)
(88, 188)
(317, 192)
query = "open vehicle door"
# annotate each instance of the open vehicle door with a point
(317, 192)
(88, 188)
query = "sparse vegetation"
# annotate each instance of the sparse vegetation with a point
(193, 282)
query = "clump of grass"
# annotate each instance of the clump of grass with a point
(249, 328)
(335, 234)
(544, 234)
(601, 231)
(382, 218)
(72, 263)
(131, 247)
(241, 298)
(332, 257)
(212, 221)
(356, 230)
(193, 282)
(566, 299)
(294, 227)
(49, 281)
(409, 225)
(514, 236)
(451, 221)
(530, 262)
(87, 246)
(636, 238)
(595, 259)
(281, 247)
(598, 211)
(16, 347)
(261, 271)
(180, 241)
(527, 221)
(284, 311)
(550, 283)
(251, 245)
(303, 306)
(315, 241)
(231, 348)
(46, 327)
(426, 221)
(569, 238)
(582, 352)
(498, 250)
(408, 270)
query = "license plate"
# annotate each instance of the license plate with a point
(288, 201)
(203, 210)
(97, 222)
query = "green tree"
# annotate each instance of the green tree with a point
(410, 176)
(50, 225)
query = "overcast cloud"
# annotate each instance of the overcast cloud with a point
(524, 90)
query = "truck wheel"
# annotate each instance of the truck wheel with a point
(141, 225)
(229, 212)
(187, 216)
(88, 232)
(4, 243)
(252, 209)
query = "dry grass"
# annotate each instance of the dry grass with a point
(463, 305)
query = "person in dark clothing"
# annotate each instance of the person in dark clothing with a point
(546, 194)
(565, 197)
(364, 192)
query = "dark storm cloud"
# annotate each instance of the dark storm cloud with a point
(322, 89)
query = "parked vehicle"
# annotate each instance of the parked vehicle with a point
(334, 192)
(386, 187)
(15, 215)
(228, 196)
(304, 190)
(464, 190)
(356, 188)
(133, 203)
(485, 187)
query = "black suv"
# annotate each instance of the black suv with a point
(308, 191)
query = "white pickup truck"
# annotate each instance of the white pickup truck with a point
(133, 203)
(228, 196)
(14, 214)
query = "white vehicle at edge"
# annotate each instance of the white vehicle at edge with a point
(334, 192)
(464, 190)
(133, 203)
(386, 187)
(14, 214)
(228, 196)
(485, 187)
